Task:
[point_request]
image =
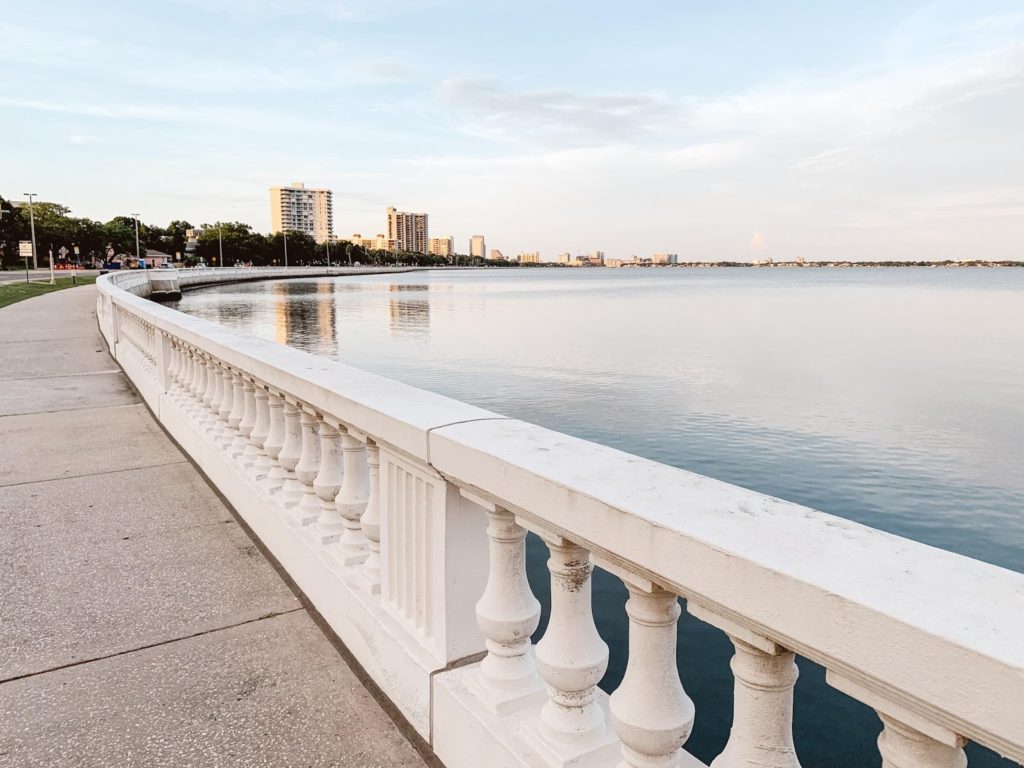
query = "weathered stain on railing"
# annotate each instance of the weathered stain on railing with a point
(402, 515)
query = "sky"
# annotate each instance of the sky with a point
(718, 131)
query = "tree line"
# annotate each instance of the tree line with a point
(218, 244)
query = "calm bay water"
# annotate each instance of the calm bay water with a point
(893, 397)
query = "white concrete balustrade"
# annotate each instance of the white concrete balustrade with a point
(403, 515)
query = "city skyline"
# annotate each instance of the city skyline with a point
(881, 131)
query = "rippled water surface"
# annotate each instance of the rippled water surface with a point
(894, 397)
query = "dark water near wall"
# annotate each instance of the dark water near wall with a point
(894, 397)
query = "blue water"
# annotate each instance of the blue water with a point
(893, 397)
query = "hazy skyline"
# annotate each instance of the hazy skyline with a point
(872, 131)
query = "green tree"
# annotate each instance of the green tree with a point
(301, 248)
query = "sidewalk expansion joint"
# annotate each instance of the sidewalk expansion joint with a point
(94, 474)
(271, 615)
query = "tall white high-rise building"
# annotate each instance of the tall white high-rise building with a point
(298, 209)
(477, 247)
(408, 230)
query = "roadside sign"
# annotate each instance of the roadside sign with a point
(25, 249)
(63, 251)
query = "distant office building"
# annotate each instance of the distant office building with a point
(408, 230)
(665, 258)
(614, 262)
(442, 246)
(497, 255)
(529, 258)
(477, 249)
(564, 258)
(595, 258)
(298, 209)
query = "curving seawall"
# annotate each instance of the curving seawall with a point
(402, 515)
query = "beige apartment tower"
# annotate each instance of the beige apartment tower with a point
(298, 209)
(442, 246)
(408, 230)
(477, 249)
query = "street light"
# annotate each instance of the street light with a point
(32, 224)
(220, 244)
(285, 233)
(138, 255)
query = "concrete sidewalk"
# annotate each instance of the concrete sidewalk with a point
(139, 624)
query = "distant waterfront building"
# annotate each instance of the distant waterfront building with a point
(477, 249)
(614, 262)
(497, 255)
(378, 243)
(595, 258)
(408, 230)
(564, 258)
(442, 246)
(533, 257)
(665, 258)
(298, 209)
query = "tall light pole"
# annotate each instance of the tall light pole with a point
(285, 233)
(32, 225)
(220, 244)
(138, 253)
(327, 242)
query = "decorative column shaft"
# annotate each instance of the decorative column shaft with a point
(253, 458)
(650, 711)
(571, 657)
(905, 747)
(507, 613)
(288, 458)
(308, 508)
(762, 720)
(276, 474)
(248, 420)
(327, 483)
(369, 521)
(352, 499)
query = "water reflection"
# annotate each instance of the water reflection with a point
(409, 314)
(889, 397)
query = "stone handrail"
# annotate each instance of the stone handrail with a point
(402, 515)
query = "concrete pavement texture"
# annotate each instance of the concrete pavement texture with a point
(139, 623)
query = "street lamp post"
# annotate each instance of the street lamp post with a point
(285, 233)
(220, 244)
(32, 226)
(327, 243)
(138, 253)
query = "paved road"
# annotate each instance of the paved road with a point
(140, 626)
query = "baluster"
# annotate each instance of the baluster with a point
(352, 499)
(908, 740)
(764, 674)
(904, 747)
(226, 432)
(196, 384)
(276, 474)
(571, 657)
(308, 509)
(211, 397)
(507, 613)
(248, 420)
(369, 521)
(288, 458)
(254, 458)
(330, 524)
(650, 712)
(199, 373)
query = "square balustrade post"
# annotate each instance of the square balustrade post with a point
(433, 553)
